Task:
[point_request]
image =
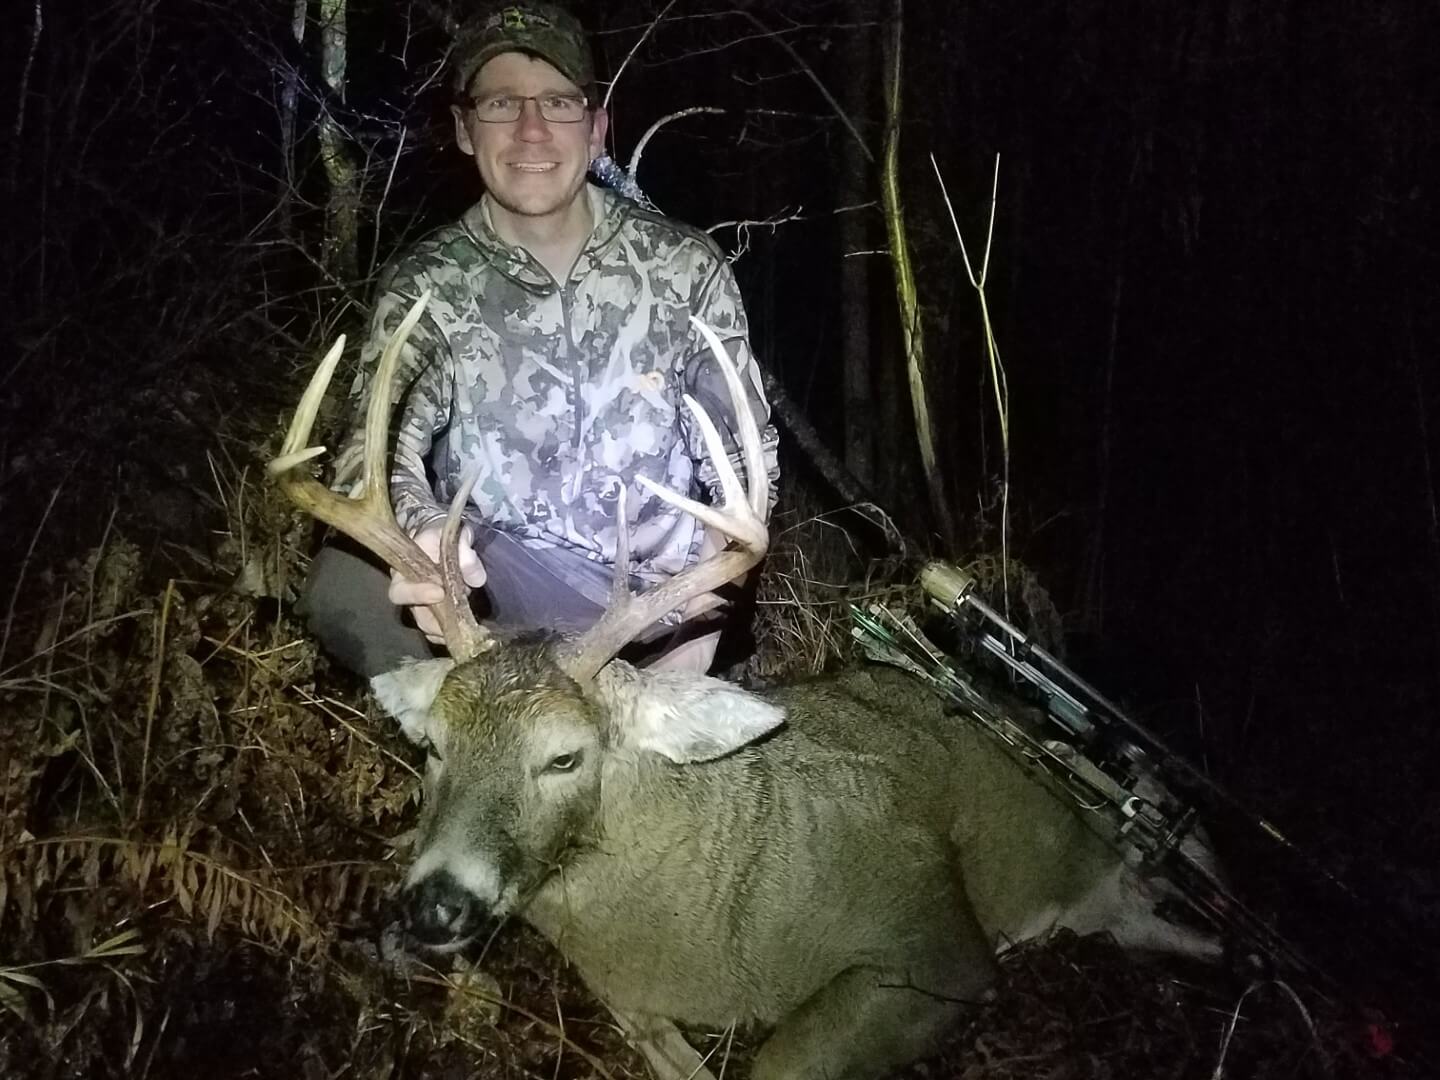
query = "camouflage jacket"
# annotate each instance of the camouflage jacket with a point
(561, 393)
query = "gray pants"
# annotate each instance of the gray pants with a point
(346, 606)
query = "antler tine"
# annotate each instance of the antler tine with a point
(368, 518)
(293, 450)
(750, 449)
(455, 587)
(739, 519)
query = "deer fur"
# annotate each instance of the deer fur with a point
(836, 857)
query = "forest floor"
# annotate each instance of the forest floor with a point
(200, 821)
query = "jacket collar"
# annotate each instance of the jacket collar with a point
(608, 209)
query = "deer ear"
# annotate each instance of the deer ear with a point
(408, 692)
(681, 716)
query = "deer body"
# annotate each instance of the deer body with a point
(837, 858)
(848, 875)
(734, 889)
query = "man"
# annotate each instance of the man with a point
(553, 358)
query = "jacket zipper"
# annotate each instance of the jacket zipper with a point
(567, 313)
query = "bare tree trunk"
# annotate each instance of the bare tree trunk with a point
(911, 330)
(37, 26)
(289, 107)
(803, 434)
(342, 212)
(856, 358)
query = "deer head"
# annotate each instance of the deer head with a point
(517, 735)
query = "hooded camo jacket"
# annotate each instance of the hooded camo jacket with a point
(562, 393)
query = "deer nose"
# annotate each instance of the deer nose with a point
(440, 911)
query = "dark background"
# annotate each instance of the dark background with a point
(1213, 285)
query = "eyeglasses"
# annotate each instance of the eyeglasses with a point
(506, 108)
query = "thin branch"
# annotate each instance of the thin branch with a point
(24, 93)
(20, 576)
(384, 198)
(992, 351)
(635, 49)
(819, 85)
(634, 165)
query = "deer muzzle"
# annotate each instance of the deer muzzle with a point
(442, 914)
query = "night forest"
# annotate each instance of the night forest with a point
(1128, 308)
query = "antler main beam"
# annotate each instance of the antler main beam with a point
(368, 518)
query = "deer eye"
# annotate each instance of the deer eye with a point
(563, 763)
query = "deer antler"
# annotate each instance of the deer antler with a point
(741, 518)
(368, 518)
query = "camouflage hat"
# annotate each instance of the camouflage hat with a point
(544, 30)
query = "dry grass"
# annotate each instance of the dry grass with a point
(186, 792)
(819, 567)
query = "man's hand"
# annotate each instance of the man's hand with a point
(421, 596)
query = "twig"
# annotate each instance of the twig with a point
(824, 91)
(456, 986)
(223, 644)
(1219, 1070)
(155, 1043)
(325, 704)
(24, 564)
(384, 197)
(742, 226)
(729, 1044)
(89, 639)
(95, 569)
(992, 351)
(633, 50)
(19, 129)
(560, 1026)
(54, 645)
(48, 685)
(154, 699)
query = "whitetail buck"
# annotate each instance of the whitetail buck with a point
(837, 857)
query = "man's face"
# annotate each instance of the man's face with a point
(531, 166)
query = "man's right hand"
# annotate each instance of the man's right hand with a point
(421, 596)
